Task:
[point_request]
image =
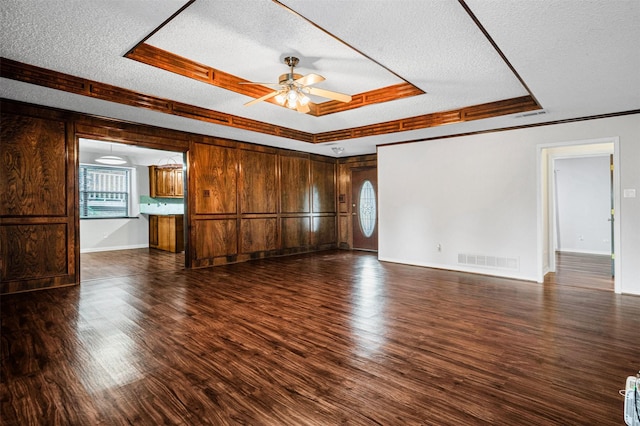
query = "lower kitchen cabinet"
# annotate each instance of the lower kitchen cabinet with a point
(166, 232)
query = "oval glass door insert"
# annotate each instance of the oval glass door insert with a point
(367, 209)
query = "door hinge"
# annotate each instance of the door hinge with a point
(611, 167)
(612, 212)
(613, 256)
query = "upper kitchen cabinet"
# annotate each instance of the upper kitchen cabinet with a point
(166, 181)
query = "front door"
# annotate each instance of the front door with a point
(364, 208)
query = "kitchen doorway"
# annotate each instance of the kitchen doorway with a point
(115, 240)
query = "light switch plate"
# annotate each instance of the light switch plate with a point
(629, 193)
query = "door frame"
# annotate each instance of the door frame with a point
(546, 229)
(132, 141)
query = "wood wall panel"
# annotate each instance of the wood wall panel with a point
(32, 167)
(38, 203)
(34, 251)
(215, 173)
(294, 183)
(273, 208)
(323, 183)
(273, 214)
(216, 237)
(295, 232)
(324, 230)
(344, 229)
(258, 235)
(259, 191)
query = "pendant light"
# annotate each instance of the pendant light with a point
(112, 160)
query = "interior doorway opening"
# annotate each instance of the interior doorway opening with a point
(116, 240)
(592, 264)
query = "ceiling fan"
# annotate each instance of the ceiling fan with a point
(292, 89)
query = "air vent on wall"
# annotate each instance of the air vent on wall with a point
(485, 261)
(531, 113)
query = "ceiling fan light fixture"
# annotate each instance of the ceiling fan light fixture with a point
(294, 89)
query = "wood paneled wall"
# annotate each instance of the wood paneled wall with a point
(251, 202)
(244, 201)
(38, 217)
(345, 196)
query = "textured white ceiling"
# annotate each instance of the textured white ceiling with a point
(578, 57)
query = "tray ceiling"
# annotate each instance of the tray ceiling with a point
(467, 59)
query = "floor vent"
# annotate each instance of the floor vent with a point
(512, 263)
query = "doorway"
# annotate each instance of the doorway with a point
(364, 208)
(120, 245)
(579, 257)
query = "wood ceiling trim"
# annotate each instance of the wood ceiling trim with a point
(476, 112)
(55, 80)
(159, 58)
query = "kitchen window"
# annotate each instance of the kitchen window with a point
(105, 192)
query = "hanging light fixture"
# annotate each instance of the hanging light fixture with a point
(292, 96)
(292, 89)
(112, 160)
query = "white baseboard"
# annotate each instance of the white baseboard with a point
(458, 268)
(112, 248)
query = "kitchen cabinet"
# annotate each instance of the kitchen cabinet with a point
(166, 232)
(153, 231)
(166, 181)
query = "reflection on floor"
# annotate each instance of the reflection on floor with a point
(573, 269)
(582, 270)
(122, 263)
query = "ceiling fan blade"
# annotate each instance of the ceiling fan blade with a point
(303, 108)
(262, 98)
(269, 85)
(329, 94)
(310, 79)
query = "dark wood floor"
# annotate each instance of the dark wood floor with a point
(332, 338)
(582, 270)
(122, 263)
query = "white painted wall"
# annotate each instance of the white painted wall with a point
(479, 194)
(583, 191)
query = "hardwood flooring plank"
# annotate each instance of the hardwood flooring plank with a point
(329, 338)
